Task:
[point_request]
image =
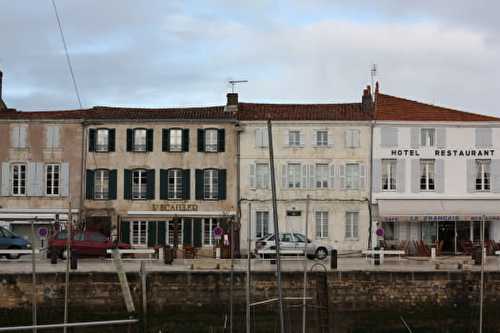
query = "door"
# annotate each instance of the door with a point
(446, 233)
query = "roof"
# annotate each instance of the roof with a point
(396, 108)
(260, 111)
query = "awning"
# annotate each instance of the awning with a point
(421, 210)
(153, 213)
(24, 215)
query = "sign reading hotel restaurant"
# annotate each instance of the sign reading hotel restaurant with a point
(182, 207)
(446, 152)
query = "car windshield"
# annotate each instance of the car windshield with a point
(300, 238)
(6, 233)
(96, 237)
(79, 236)
(286, 238)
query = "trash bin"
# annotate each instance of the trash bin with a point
(376, 256)
(476, 254)
(74, 260)
(168, 255)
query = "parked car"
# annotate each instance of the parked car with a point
(85, 243)
(291, 244)
(10, 240)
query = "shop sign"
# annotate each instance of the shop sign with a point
(445, 152)
(181, 207)
(437, 218)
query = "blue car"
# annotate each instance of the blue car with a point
(9, 240)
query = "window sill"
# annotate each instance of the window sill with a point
(390, 191)
(351, 239)
(323, 146)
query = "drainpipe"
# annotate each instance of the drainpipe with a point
(239, 129)
(370, 185)
(83, 167)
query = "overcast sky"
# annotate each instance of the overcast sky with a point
(182, 53)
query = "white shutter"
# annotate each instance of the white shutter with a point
(301, 138)
(414, 137)
(314, 139)
(495, 176)
(341, 177)
(31, 186)
(362, 176)
(400, 175)
(265, 137)
(5, 185)
(55, 136)
(331, 141)
(252, 183)
(332, 176)
(348, 139)
(389, 136)
(356, 139)
(258, 137)
(312, 176)
(22, 136)
(64, 183)
(286, 141)
(439, 176)
(483, 137)
(304, 177)
(377, 175)
(284, 180)
(441, 137)
(471, 176)
(415, 176)
(14, 137)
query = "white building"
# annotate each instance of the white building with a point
(321, 151)
(436, 172)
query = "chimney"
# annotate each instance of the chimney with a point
(367, 100)
(232, 102)
(2, 104)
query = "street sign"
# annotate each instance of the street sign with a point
(380, 232)
(42, 232)
(218, 232)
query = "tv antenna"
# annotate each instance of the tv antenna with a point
(233, 83)
(373, 73)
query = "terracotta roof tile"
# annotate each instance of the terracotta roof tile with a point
(396, 108)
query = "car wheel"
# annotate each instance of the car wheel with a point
(321, 253)
(13, 256)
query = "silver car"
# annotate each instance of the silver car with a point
(291, 243)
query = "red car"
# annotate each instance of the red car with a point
(85, 243)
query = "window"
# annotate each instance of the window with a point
(262, 175)
(18, 137)
(175, 190)
(52, 136)
(389, 175)
(483, 175)
(352, 172)
(208, 226)
(321, 218)
(210, 184)
(175, 139)
(427, 175)
(52, 172)
(211, 140)
(391, 230)
(261, 224)
(294, 175)
(352, 138)
(139, 184)
(18, 179)
(351, 225)
(294, 138)
(102, 142)
(321, 175)
(322, 138)
(261, 137)
(101, 186)
(139, 139)
(138, 233)
(427, 136)
(170, 236)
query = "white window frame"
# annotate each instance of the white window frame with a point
(352, 225)
(321, 138)
(175, 139)
(141, 239)
(139, 189)
(352, 181)
(262, 218)
(16, 135)
(353, 138)
(483, 176)
(321, 218)
(388, 175)
(296, 180)
(51, 178)
(18, 189)
(322, 180)
(140, 139)
(429, 174)
(53, 132)
(101, 184)
(294, 138)
(102, 140)
(211, 140)
(262, 175)
(427, 137)
(175, 189)
(210, 184)
(208, 236)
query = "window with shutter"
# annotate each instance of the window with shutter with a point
(211, 142)
(210, 184)
(221, 140)
(52, 178)
(101, 184)
(175, 135)
(102, 140)
(175, 184)
(18, 179)
(186, 185)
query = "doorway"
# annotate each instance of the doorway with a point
(446, 233)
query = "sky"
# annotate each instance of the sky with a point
(167, 53)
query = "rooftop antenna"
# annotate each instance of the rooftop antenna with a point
(235, 82)
(373, 73)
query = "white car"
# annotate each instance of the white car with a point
(291, 243)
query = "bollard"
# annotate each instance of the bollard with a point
(168, 255)
(333, 259)
(74, 260)
(433, 253)
(53, 256)
(376, 256)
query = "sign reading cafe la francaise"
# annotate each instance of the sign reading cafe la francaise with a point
(446, 152)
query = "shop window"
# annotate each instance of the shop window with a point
(483, 175)
(322, 175)
(427, 137)
(139, 184)
(391, 231)
(52, 177)
(352, 179)
(427, 172)
(261, 224)
(101, 186)
(18, 179)
(208, 226)
(351, 225)
(389, 175)
(138, 233)
(321, 219)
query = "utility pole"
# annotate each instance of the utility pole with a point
(304, 305)
(249, 260)
(68, 258)
(33, 275)
(481, 288)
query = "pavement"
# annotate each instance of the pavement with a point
(345, 264)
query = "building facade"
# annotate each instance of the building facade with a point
(320, 152)
(436, 174)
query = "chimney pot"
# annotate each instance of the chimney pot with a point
(1, 78)
(232, 102)
(377, 86)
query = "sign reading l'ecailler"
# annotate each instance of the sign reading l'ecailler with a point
(446, 152)
(184, 207)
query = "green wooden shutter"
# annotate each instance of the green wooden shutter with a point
(222, 184)
(163, 184)
(221, 140)
(149, 139)
(111, 139)
(151, 233)
(151, 184)
(125, 232)
(199, 184)
(197, 232)
(130, 139)
(127, 184)
(165, 140)
(201, 140)
(162, 229)
(186, 184)
(186, 236)
(185, 139)
(89, 185)
(112, 185)
(92, 138)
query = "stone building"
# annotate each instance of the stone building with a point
(321, 151)
(436, 172)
